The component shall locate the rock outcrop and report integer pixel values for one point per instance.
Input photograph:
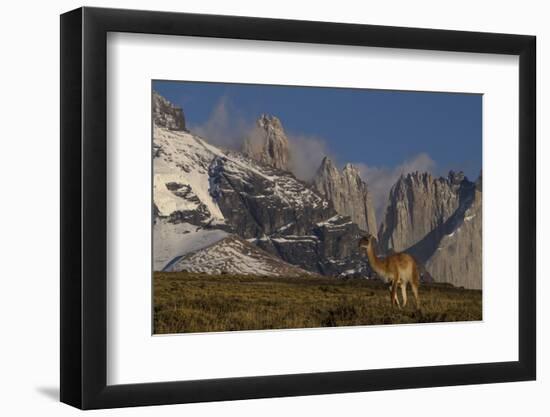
(458, 258)
(418, 204)
(348, 193)
(166, 115)
(438, 221)
(259, 200)
(284, 216)
(268, 144)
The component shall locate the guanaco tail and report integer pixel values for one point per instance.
(399, 269)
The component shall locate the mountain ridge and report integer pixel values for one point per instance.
(199, 188)
(347, 192)
(431, 218)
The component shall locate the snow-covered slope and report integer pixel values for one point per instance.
(233, 255)
(181, 179)
(196, 183)
(188, 173)
(203, 194)
(172, 240)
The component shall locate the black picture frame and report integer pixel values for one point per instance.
(84, 207)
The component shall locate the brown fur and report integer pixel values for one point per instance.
(399, 269)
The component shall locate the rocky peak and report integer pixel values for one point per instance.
(347, 192)
(166, 115)
(327, 169)
(351, 171)
(437, 220)
(418, 204)
(268, 121)
(456, 178)
(267, 143)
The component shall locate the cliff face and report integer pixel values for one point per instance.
(259, 200)
(348, 193)
(438, 221)
(268, 144)
(418, 204)
(458, 258)
(284, 216)
(166, 115)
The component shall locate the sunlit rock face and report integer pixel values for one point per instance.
(347, 192)
(267, 143)
(458, 258)
(166, 115)
(437, 220)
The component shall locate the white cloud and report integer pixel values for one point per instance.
(381, 179)
(225, 126)
(306, 154)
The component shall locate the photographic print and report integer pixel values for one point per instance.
(287, 207)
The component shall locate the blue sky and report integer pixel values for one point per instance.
(384, 132)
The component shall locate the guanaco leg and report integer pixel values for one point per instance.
(414, 287)
(404, 293)
(394, 298)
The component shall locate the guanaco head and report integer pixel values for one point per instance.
(365, 242)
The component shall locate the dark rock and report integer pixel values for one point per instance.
(166, 115)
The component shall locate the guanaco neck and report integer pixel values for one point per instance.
(373, 259)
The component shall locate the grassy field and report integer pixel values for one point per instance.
(189, 303)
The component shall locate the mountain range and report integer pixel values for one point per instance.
(244, 212)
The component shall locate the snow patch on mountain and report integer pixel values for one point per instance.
(182, 158)
(171, 241)
(233, 255)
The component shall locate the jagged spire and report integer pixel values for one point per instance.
(267, 120)
(349, 167)
(326, 167)
(347, 192)
(268, 143)
(423, 213)
(456, 177)
(167, 115)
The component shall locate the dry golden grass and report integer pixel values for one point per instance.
(190, 303)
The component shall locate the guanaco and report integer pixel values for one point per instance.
(398, 269)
